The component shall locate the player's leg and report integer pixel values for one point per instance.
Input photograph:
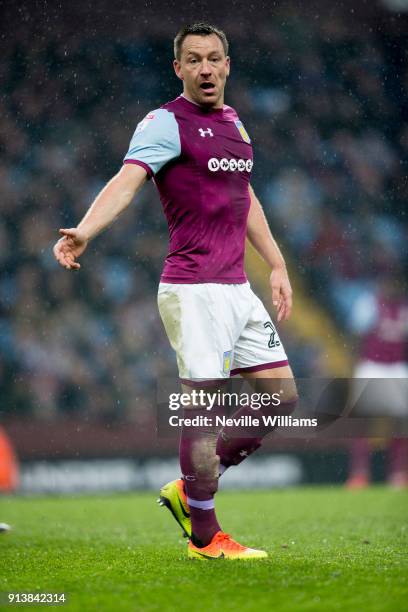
(235, 445)
(203, 340)
(195, 333)
(260, 358)
(360, 463)
(199, 465)
(398, 463)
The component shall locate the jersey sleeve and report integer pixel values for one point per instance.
(156, 141)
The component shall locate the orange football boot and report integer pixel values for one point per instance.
(222, 546)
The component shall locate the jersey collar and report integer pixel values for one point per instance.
(202, 109)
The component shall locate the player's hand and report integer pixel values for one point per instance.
(68, 248)
(281, 293)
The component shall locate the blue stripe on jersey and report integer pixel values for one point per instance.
(156, 140)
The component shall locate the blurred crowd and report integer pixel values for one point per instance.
(326, 105)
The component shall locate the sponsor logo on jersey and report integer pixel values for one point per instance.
(242, 131)
(232, 165)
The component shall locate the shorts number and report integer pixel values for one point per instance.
(273, 338)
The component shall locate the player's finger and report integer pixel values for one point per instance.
(288, 307)
(57, 248)
(59, 256)
(69, 260)
(65, 258)
(275, 295)
(284, 315)
(73, 264)
(281, 311)
(70, 234)
(61, 248)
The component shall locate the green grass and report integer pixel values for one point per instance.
(329, 550)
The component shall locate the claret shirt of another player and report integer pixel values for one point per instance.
(201, 162)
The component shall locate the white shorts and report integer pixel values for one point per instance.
(218, 330)
(374, 369)
(380, 389)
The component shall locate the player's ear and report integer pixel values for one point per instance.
(177, 69)
(228, 64)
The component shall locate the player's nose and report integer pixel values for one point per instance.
(205, 68)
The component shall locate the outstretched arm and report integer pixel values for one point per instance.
(107, 206)
(259, 235)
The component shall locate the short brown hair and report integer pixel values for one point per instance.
(199, 29)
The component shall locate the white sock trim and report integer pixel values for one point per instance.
(207, 504)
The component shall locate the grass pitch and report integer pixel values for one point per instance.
(330, 549)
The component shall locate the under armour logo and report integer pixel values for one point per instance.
(204, 133)
(243, 453)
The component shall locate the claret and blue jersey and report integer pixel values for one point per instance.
(201, 161)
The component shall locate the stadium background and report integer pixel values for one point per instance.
(322, 92)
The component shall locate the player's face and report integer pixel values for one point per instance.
(203, 68)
